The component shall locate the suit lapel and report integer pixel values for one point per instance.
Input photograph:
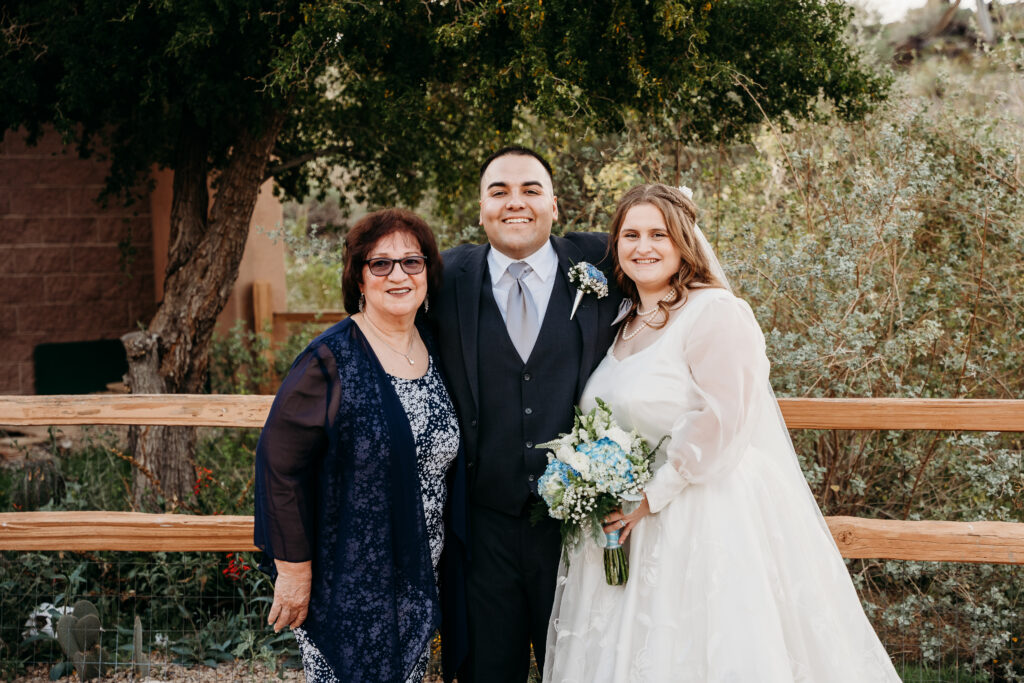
(467, 299)
(586, 314)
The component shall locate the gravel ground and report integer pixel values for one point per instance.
(165, 671)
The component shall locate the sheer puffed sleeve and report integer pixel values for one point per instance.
(293, 441)
(725, 353)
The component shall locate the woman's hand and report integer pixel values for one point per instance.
(291, 594)
(625, 523)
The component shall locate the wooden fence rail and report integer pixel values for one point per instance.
(985, 542)
(229, 410)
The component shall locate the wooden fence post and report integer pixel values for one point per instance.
(262, 306)
(263, 321)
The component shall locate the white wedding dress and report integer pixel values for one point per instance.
(734, 577)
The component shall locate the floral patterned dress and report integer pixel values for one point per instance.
(436, 431)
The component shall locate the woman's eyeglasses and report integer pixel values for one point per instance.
(411, 265)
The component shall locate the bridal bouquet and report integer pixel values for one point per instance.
(593, 470)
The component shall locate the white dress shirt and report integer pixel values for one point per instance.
(540, 281)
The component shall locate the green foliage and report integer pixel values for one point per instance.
(882, 258)
(313, 234)
(407, 95)
(911, 673)
(238, 635)
(41, 482)
(207, 605)
(214, 605)
(238, 361)
(97, 477)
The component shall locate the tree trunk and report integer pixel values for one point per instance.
(160, 482)
(206, 248)
(985, 23)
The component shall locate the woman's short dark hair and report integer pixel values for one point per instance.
(365, 234)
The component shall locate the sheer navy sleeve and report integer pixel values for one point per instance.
(293, 441)
(337, 447)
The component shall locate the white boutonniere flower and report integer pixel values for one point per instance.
(587, 279)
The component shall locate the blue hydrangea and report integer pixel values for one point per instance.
(589, 279)
(611, 469)
(557, 469)
(552, 485)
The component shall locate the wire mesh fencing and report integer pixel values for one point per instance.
(197, 611)
(203, 617)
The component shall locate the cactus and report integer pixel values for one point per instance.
(140, 660)
(79, 636)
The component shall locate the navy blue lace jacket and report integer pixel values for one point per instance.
(336, 483)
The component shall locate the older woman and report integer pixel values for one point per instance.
(353, 470)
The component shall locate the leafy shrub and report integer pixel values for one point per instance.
(884, 259)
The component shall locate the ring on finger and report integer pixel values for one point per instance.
(622, 522)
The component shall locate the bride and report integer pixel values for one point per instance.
(734, 575)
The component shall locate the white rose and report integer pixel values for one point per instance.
(564, 453)
(620, 436)
(578, 462)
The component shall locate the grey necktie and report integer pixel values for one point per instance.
(521, 314)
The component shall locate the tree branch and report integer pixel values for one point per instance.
(301, 159)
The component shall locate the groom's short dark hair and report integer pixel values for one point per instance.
(516, 150)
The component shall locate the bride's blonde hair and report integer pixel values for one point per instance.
(680, 215)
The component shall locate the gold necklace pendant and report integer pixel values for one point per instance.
(380, 335)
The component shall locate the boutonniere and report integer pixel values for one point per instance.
(587, 279)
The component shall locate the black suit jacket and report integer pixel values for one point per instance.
(456, 314)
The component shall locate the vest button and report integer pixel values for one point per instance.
(531, 477)
(528, 411)
(527, 377)
(529, 444)
(472, 423)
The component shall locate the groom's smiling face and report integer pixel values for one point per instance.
(517, 205)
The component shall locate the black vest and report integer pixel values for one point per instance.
(522, 404)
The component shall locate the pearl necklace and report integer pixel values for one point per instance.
(645, 317)
(668, 297)
(380, 335)
(627, 337)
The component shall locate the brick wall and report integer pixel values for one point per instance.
(70, 269)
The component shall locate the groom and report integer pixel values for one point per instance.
(516, 366)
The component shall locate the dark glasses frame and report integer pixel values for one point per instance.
(411, 265)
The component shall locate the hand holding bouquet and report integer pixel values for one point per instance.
(593, 470)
